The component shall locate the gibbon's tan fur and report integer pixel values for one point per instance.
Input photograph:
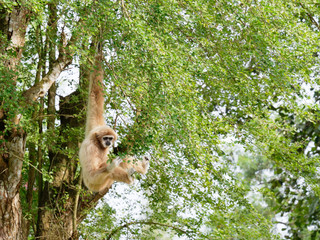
(98, 173)
(120, 174)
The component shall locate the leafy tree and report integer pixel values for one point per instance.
(293, 155)
(180, 76)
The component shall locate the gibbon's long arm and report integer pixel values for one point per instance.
(95, 106)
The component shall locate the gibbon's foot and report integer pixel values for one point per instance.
(131, 171)
(145, 164)
(104, 191)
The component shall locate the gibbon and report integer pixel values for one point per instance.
(99, 174)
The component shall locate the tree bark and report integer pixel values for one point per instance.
(14, 25)
(10, 178)
(16, 31)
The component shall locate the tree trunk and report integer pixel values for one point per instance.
(12, 146)
(10, 178)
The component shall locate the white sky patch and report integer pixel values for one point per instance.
(280, 226)
(127, 201)
(68, 81)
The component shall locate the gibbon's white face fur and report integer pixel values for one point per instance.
(106, 140)
(99, 174)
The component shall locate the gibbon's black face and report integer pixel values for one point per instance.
(106, 140)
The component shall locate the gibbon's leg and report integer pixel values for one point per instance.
(139, 166)
(107, 187)
(101, 177)
(107, 168)
(131, 171)
(123, 175)
(115, 163)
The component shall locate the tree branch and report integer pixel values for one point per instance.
(279, 222)
(65, 58)
(75, 208)
(42, 87)
(310, 16)
(125, 10)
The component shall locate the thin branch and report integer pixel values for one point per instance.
(53, 115)
(115, 121)
(279, 222)
(146, 223)
(23, 160)
(125, 10)
(75, 208)
(310, 16)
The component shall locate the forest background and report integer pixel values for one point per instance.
(222, 95)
